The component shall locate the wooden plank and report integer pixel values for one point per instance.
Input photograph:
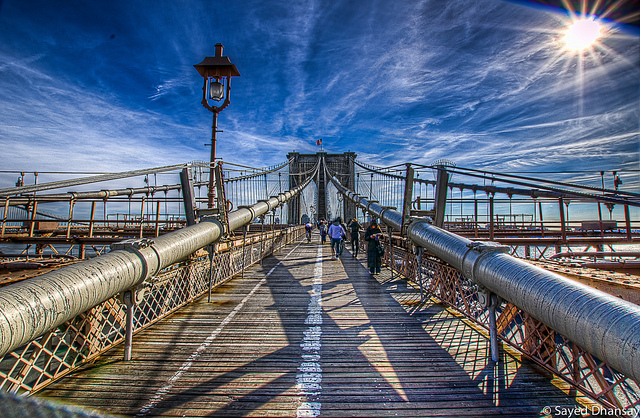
(377, 353)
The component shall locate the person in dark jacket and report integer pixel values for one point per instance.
(372, 236)
(355, 236)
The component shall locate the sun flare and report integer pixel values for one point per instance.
(582, 34)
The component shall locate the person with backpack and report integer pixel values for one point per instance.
(308, 227)
(322, 227)
(336, 234)
(355, 236)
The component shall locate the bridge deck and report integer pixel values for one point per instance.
(304, 335)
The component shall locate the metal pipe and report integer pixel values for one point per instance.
(85, 180)
(601, 324)
(30, 308)
(102, 194)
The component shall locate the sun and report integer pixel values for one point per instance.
(582, 34)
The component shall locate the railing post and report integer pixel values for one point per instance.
(563, 227)
(157, 229)
(261, 238)
(493, 327)
(212, 254)
(408, 196)
(142, 202)
(491, 224)
(92, 218)
(187, 194)
(32, 225)
(127, 298)
(420, 250)
(442, 181)
(244, 244)
(600, 222)
(475, 216)
(541, 219)
(72, 202)
(5, 216)
(627, 221)
(391, 263)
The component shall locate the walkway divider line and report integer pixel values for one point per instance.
(309, 382)
(160, 393)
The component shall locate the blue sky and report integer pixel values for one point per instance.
(110, 86)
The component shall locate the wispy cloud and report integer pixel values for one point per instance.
(480, 83)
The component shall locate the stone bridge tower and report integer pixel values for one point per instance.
(340, 164)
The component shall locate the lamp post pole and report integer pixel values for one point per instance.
(211, 195)
(217, 72)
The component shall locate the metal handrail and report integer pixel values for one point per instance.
(30, 308)
(603, 325)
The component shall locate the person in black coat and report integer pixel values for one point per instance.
(372, 236)
(355, 236)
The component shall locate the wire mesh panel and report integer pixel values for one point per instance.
(74, 343)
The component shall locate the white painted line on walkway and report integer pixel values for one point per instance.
(309, 382)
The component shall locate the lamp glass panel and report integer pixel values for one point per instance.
(216, 90)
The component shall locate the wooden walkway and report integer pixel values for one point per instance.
(304, 335)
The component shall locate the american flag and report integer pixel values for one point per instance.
(319, 141)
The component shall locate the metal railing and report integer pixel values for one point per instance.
(570, 329)
(51, 324)
(517, 328)
(84, 337)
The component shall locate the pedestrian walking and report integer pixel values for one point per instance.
(355, 227)
(322, 227)
(337, 234)
(374, 247)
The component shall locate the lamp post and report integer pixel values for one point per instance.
(217, 72)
